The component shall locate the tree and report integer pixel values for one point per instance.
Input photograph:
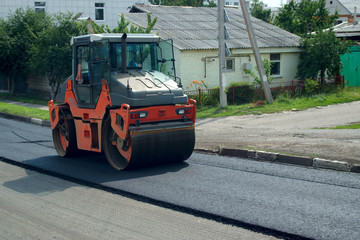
(267, 67)
(18, 33)
(124, 26)
(192, 3)
(304, 16)
(40, 43)
(51, 54)
(321, 55)
(258, 10)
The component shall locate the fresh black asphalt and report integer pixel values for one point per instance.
(319, 204)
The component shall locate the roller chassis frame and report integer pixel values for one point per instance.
(89, 123)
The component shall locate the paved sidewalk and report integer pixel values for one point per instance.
(296, 133)
(289, 137)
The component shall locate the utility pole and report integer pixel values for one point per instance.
(260, 66)
(221, 38)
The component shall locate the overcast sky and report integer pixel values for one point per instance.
(273, 3)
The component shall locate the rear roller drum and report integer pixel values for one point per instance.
(64, 136)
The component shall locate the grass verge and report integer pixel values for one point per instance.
(24, 99)
(283, 103)
(350, 126)
(24, 111)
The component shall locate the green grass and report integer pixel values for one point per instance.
(24, 111)
(283, 103)
(350, 126)
(24, 99)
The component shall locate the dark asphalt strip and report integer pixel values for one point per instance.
(274, 175)
(163, 204)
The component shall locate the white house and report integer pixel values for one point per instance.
(100, 11)
(345, 8)
(194, 32)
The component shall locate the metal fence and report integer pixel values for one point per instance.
(251, 93)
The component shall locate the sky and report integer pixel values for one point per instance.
(274, 3)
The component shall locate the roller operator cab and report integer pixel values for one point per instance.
(125, 100)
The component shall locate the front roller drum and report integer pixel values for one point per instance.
(148, 148)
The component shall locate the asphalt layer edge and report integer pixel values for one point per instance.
(241, 153)
(163, 204)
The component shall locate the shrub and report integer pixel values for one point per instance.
(311, 86)
(211, 98)
(283, 97)
(240, 92)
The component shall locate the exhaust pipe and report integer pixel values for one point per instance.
(123, 53)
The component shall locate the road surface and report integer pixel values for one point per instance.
(38, 206)
(297, 201)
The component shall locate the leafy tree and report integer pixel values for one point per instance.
(192, 3)
(321, 55)
(38, 42)
(51, 54)
(304, 16)
(89, 26)
(123, 26)
(18, 34)
(267, 67)
(258, 10)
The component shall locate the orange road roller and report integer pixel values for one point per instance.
(124, 99)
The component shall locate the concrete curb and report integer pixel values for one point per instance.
(241, 153)
(37, 121)
(285, 159)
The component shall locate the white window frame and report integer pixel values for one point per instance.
(97, 8)
(40, 6)
(227, 69)
(276, 58)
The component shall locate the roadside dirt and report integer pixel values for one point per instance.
(300, 133)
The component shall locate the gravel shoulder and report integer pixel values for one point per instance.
(296, 133)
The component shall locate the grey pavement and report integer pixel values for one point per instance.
(293, 137)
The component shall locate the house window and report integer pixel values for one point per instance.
(338, 22)
(275, 64)
(230, 64)
(99, 11)
(227, 3)
(40, 7)
(236, 3)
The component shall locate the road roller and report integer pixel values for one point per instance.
(123, 99)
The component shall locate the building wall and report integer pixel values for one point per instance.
(198, 65)
(346, 9)
(37, 85)
(112, 8)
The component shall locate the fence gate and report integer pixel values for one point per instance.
(351, 70)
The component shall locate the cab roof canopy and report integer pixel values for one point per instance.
(114, 37)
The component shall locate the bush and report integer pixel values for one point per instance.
(211, 98)
(240, 92)
(311, 86)
(283, 97)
